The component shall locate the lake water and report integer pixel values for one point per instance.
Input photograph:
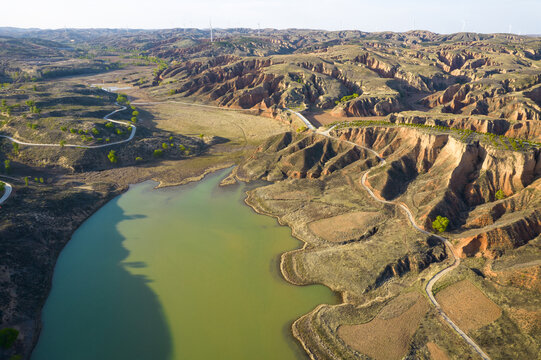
(180, 273)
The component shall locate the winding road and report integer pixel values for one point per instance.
(106, 117)
(430, 284)
(9, 188)
(7, 192)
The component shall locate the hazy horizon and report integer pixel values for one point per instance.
(483, 16)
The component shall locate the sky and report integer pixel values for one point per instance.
(485, 16)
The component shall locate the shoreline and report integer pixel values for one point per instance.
(121, 189)
(294, 330)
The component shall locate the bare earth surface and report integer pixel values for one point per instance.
(345, 226)
(467, 306)
(436, 353)
(387, 336)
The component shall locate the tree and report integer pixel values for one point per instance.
(440, 224)
(8, 337)
(112, 157)
(121, 99)
(500, 194)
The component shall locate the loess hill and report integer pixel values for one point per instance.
(457, 118)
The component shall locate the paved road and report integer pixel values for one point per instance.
(106, 117)
(441, 273)
(304, 120)
(7, 192)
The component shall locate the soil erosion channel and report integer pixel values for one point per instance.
(179, 273)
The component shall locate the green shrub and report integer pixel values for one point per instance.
(138, 158)
(8, 337)
(500, 194)
(95, 131)
(440, 224)
(2, 187)
(41, 180)
(73, 131)
(63, 128)
(347, 98)
(26, 181)
(62, 143)
(109, 125)
(165, 146)
(112, 157)
(158, 153)
(121, 99)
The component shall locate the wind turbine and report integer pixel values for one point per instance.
(211, 34)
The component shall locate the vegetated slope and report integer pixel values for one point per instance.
(316, 182)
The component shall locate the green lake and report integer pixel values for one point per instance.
(188, 272)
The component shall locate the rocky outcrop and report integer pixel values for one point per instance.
(493, 240)
(439, 175)
(411, 263)
(367, 106)
(301, 156)
(500, 100)
(527, 129)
